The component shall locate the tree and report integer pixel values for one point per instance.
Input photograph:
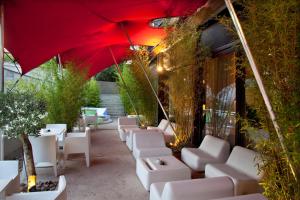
(21, 114)
(64, 96)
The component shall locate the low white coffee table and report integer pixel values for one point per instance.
(150, 170)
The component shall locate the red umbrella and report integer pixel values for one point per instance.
(82, 31)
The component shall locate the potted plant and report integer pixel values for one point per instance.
(21, 115)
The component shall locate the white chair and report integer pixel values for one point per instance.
(241, 167)
(126, 123)
(59, 194)
(195, 189)
(44, 149)
(211, 150)
(163, 124)
(60, 131)
(9, 170)
(149, 144)
(78, 143)
(169, 133)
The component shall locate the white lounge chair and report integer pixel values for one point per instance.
(195, 189)
(211, 150)
(149, 144)
(78, 143)
(60, 131)
(126, 123)
(163, 124)
(241, 167)
(129, 136)
(44, 149)
(256, 196)
(59, 194)
(9, 170)
(169, 133)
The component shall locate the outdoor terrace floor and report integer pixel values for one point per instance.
(111, 175)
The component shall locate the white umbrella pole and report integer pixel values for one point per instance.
(124, 83)
(258, 80)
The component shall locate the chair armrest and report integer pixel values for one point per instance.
(47, 195)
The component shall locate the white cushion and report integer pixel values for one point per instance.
(241, 167)
(148, 144)
(163, 124)
(211, 150)
(151, 152)
(196, 189)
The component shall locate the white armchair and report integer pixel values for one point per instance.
(149, 144)
(211, 150)
(241, 167)
(169, 133)
(60, 131)
(9, 170)
(59, 194)
(78, 143)
(126, 123)
(44, 149)
(161, 126)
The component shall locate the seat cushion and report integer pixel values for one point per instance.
(152, 152)
(243, 184)
(198, 189)
(216, 170)
(196, 159)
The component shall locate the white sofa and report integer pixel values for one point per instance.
(78, 143)
(256, 196)
(196, 189)
(126, 123)
(241, 167)
(129, 135)
(59, 194)
(9, 170)
(163, 124)
(211, 150)
(149, 144)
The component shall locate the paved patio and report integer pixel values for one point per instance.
(112, 172)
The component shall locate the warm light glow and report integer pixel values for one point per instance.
(31, 182)
(159, 48)
(159, 69)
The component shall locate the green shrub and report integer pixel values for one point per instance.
(108, 74)
(139, 88)
(64, 96)
(91, 94)
(272, 31)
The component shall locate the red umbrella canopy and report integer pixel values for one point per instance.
(82, 31)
